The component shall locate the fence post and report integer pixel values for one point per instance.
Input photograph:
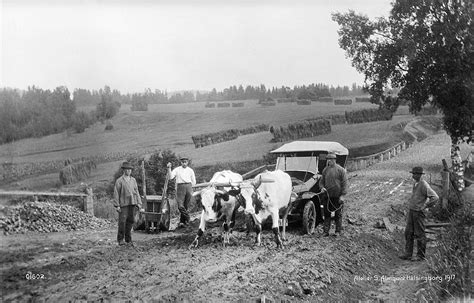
(89, 201)
(445, 193)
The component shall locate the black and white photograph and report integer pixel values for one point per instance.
(236, 151)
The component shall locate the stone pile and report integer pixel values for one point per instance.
(48, 217)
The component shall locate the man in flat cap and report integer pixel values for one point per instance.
(127, 202)
(422, 197)
(185, 179)
(334, 183)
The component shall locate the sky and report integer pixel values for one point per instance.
(175, 45)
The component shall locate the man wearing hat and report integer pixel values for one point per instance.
(422, 197)
(185, 179)
(127, 202)
(334, 183)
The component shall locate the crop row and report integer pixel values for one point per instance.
(308, 128)
(226, 135)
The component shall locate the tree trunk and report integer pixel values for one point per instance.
(458, 168)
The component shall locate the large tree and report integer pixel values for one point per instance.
(425, 48)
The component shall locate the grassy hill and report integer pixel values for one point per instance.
(169, 126)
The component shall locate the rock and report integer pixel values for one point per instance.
(294, 289)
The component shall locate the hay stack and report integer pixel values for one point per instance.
(74, 172)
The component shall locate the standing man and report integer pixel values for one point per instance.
(334, 182)
(422, 197)
(185, 179)
(127, 202)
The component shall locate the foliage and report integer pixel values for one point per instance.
(451, 259)
(107, 108)
(155, 172)
(81, 121)
(423, 47)
(109, 126)
(139, 105)
(37, 112)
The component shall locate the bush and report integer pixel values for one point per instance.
(210, 105)
(81, 121)
(237, 104)
(109, 126)
(451, 259)
(155, 172)
(139, 105)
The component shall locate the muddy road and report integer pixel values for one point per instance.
(88, 265)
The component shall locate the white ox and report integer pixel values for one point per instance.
(268, 193)
(218, 203)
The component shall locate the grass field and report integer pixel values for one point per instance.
(171, 127)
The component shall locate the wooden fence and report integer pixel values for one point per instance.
(87, 198)
(366, 161)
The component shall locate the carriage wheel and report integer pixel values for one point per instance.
(165, 215)
(309, 218)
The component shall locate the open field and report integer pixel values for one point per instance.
(171, 127)
(162, 126)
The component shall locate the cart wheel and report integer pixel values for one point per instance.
(165, 215)
(309, 218)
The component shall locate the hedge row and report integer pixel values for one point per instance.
(336, 119)
(237, 104)
(325, 99)
(223, 104)
(13, 171)
(362, 99)
(226, 135)
(303, 102)
(368, 115)
(286, 100)
(343, 102)
(210, 105)
(267, 103)
(308, 128)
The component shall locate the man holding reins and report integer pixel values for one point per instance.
(334, 183)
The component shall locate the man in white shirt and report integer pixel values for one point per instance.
(185, 179)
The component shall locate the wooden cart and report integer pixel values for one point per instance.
(157, 214)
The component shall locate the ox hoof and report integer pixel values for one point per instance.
(193, 245)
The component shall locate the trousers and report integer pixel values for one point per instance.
(330, 205)
(415, 230)
(125, 222)
(184, 192)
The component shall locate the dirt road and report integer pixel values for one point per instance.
(88, 265)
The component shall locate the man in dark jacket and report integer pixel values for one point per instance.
(127, 202)
(422, 197)
(334, 183)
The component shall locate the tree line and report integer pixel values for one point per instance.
(37, 112)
